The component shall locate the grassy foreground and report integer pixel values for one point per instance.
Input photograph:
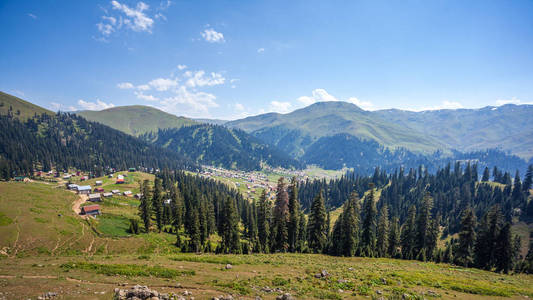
(45, 247)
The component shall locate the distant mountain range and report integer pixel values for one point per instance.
(329, 134)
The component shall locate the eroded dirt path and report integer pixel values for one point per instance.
(77, 204)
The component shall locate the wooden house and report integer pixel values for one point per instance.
(95, 197)
(98, 183)
(84, 189)
(90, 210)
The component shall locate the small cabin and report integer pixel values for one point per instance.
(84, 189)
(90, 210)
(98, 182)
(127, 193)
(20, 178)
(138, 196)
(72, 187)
(107, 195)
(110, 176)
(99, 190)
(115, 191)
(131, 170)
(95, 197)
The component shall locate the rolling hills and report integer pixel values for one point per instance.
(136, 119)
(508, 127)
(20, 109)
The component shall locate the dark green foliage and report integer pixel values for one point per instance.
(382, 235)
(264, 213)
(294, 216)
(464, 255)
(368, 226)
(145, 210)
(220, 146)
(345, 235)
(230, 228)
(317, 225)
(157, 203)
(134, 226)
(280, 218)
(408, 235)
(65, 140)
(394, 239)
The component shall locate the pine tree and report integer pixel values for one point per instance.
(382, 236)
(264, 212)
(504, 250)
(157, 203)
(394, 238)
(464, 254)
(528, 180)
(317, 225)
(302, 233)
(294, 215)
(281, 218)
(423, 224)
(350, 225)
(177, 212)
(230, 228)
(486, 174)
(144, 207)
(368, 226)
(408, 236)
(194, 232)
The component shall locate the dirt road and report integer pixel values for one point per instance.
(77, 204)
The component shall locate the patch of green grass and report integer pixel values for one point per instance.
(127, 270)
(113, 225)
(5, 220)
(41, 220)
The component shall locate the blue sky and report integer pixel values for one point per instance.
(230, 59)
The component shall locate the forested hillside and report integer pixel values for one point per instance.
(136, 119)
(404, 215)
(219, 146)
(65, 140)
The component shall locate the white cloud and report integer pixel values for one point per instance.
(61, 107)
(260, 50)
(125, 85)
(32, 16)
(211, 36)
(182, 67)
(318, 95)
(163, 84)
(199, 79)
(145, 97)
(143, 87)
(195, 104)
(280, 107)
(135, 18)
(513, 100)
(98, 105)
(366, 105)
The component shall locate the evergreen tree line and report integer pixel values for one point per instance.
(371, 227)
(67, 141)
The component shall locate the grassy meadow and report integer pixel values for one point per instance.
(46, 247)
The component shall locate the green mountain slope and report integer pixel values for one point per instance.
(20, 109)
(296, 131)
(508, 127)
(136, 119)
(219, 146)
